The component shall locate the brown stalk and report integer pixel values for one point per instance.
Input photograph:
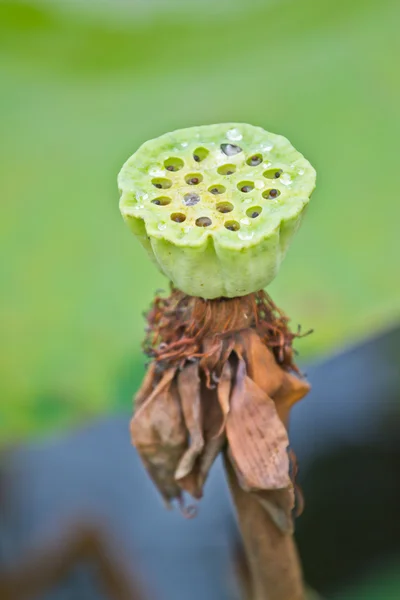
(273, 562)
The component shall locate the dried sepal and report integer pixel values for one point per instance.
(160, 436)
(189, 393)
(257, 438)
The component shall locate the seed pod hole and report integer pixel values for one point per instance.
(194, 178)
(217, 189)
(273, 173)
(271, 194)
(191, 199)
(203, 222)
(246, 186)
(254, 212)
(200, 154)
(178, 217)
(173, 164)
(232, 225)
(230, 149)
(161, 184)
(254, 160)
(161, 201)
(224, 207)
(226, 169)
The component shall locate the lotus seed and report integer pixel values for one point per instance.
(247, 187)
(232, 225)
(203, 222)
(255, 160)
(224, 207)
(178, 217)
(217, 189)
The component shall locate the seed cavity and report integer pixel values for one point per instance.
(161, 184)
(224, 207)
(178, 217)
(194, 178)
(232, 225)
(230, 149)
(254, 160)
(273, 173)
(203, 222)
(200, 154)
(226, 169)
(191, 199)
(161, 201)
(173, 164)
(254, 212)
(217, 189)
(270, 194)
(246, 186)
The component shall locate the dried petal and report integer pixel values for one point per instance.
(257, 437)
(150, 380)
(160, 436)
(224, 389)
(291, 391)
(214, 432)
(189, 392)
(212, 349)
(261, 365)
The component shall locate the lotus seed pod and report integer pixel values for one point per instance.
(216, 206)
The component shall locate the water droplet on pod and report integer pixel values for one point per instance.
(234, 135)
(245, 235)
(285, 179)
(267, 146)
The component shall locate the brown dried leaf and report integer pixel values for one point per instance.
(160, 436)
(189, 392)
(257, 437)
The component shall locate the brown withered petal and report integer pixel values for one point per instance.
(214, 432)
(257, 438)
(261, 365)
(212, 349)
(149, 382)
(291, 391)
(189, 393)
(224, 390)
(213, 439)
(160, 436)
(284, 388)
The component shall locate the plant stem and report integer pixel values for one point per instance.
(272, 556)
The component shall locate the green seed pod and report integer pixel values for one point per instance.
(216, 206)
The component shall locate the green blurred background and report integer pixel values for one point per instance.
(84, 84)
